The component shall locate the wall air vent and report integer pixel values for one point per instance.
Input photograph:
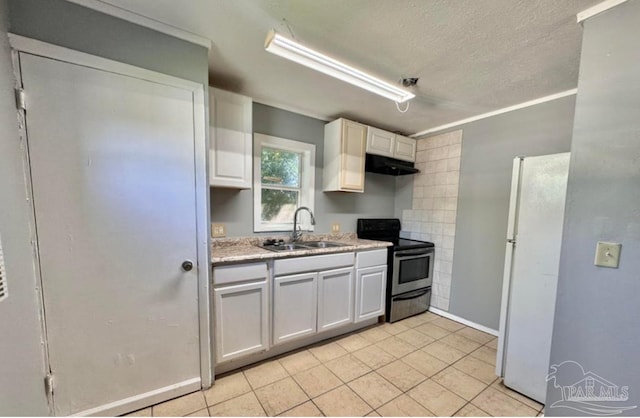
(4, 292)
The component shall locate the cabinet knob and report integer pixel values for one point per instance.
(187, 265)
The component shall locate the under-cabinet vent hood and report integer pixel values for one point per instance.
(390, 166)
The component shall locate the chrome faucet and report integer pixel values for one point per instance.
(295, 234)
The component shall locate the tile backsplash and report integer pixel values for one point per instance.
(432, 216)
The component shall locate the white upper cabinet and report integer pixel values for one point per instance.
(405, 148)
(231, 140)
(380, 142)
(344, 156)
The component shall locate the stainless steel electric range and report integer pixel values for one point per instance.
(410, 268)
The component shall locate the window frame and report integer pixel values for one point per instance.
(307, 180)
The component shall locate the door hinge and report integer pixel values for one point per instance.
(48, 385)
(21, 101)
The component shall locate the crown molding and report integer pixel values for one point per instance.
(597, 9)
(138, 19)
(496, 112)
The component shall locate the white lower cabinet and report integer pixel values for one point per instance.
(294, 306)
(257, 307)
(335, 298)
(241, 306)
(242, 320)
(370, 292)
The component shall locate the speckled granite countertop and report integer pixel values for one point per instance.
(233, 250)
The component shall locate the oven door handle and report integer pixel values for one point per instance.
(411, 253)
(413, 295)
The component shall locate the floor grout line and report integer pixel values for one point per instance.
(472, 399)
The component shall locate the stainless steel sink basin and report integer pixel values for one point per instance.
(285, 247)
(322, 244)
(305, 245)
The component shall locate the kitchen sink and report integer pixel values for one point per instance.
(322, 244)
(285, 247)
(305, 245)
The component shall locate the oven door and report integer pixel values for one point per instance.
(412, 270)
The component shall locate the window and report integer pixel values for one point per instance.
(283, 180)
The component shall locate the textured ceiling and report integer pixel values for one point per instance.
(472, 56)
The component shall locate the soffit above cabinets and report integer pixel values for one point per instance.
(472, 56)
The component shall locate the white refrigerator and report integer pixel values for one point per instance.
(534, 238)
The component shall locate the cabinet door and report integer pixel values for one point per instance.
(370, 291)
(230, 151)
(380, 142)
(354, 138)
(294, 306)
(405, 148)
(241, 322)
(335, 298)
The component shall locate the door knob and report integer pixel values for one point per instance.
(187, 265)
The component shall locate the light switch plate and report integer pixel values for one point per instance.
(335, 228)
(218, 230)
(607, 254)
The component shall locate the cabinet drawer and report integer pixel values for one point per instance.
(371, 258)
(239, 273)
(313, 263)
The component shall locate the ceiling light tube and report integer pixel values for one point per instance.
(291, 50)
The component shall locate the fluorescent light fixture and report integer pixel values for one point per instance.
(291, 50)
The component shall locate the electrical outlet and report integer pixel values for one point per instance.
(218, 230)
(335, 228)
(607, 254)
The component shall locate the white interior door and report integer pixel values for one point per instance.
(112, 164)
(534, 273)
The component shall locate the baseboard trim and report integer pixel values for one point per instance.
(463, 321)
(143, 400)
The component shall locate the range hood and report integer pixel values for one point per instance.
(389, 166)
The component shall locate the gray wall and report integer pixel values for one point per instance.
(597, 309)
(22, 366)
(66, 24)
(235, 208)
(488, 148)
(404, 195)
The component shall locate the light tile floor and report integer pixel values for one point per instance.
(425, 365)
